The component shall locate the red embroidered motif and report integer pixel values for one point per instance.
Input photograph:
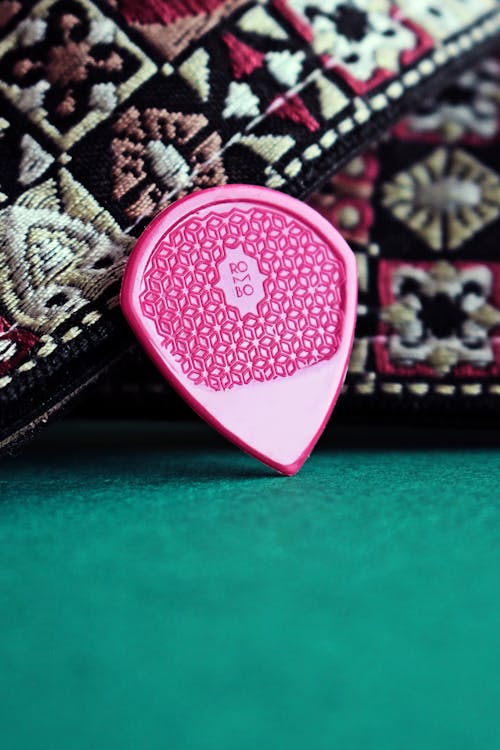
(172, 25)
(293, 108)
(15, 344)
(8, 9)
(165, 11)
(347, 199)
(300, 26)
(244, 59)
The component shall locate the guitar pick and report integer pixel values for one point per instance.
(245, 299)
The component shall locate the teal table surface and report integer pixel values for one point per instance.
(160, 589)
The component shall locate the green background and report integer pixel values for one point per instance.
(159, 589)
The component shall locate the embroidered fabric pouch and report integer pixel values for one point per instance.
(111, 110)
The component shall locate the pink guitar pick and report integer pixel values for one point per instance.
(245, 299)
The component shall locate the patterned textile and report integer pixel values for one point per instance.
(422, 212)
(112, 110)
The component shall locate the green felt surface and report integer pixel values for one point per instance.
(159, 589)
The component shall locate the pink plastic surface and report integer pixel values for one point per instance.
(245, 299)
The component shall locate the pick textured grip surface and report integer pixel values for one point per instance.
(244, 295)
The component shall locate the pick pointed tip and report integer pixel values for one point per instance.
(289, 470)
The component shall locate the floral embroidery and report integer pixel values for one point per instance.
(68, 67)
(366, 42)
(445, 199)
(59, 251)
(153, 156)
(437, 317)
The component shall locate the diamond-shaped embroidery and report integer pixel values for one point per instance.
(445, 199)
(67, 67)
